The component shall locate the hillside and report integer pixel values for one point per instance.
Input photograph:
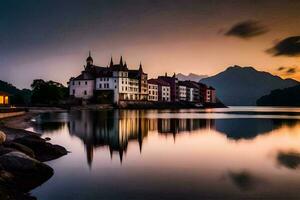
(244, 85)
(281, 97)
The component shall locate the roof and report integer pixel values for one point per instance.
(158, 82)
(189, 84)
(118, 67)
(202, 84)
(4, 93)
(133, 73)
(85, 75)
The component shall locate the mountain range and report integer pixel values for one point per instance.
(238, 86)
(190, 76)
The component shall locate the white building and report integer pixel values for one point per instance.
(114, 83)
(152, 91)
(166, 93)
(182, 93)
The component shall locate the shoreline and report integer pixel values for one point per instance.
(22, 155)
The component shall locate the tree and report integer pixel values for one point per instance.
(48, 93)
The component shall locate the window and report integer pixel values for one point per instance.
(73, 92)
(1, 99)
(115, 81)
(100, 79)
(78, 82)
(73, 82)
(85, 92)
(86, 82)
(100, 85)
(6, 100)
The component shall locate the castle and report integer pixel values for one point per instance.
(116, 82)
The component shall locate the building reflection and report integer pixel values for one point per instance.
(176, 126)
(115, 129)
(111, 128)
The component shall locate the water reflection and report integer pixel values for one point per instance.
(182, 153)
(289, 159)
(244, 180)
(115, 129)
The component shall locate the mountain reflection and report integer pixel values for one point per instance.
(115, 129)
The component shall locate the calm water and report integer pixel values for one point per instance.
(240, 152)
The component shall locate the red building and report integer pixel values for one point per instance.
(173, 82)
(164, 89)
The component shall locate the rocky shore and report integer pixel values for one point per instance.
(22, 154)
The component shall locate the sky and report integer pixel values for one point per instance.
(50, 39)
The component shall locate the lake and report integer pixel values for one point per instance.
(234, 153)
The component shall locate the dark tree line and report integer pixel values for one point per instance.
(281, 97)
(48, 92)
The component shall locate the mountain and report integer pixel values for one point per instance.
(281, 97)
(18, 97)
(244, 85)
(191, 76)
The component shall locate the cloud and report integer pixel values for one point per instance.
(288, 70)
(287, 47)
(281, 68)
(290, 159)
(246, 29)
(291, 70)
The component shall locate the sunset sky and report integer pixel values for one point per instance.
(51, 39)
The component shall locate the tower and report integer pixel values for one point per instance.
(121, 61)
(141, 67)
(89, 60)
(111, 64)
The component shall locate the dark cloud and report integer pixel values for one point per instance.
(287, 47)
(290, 159)
(281, 68)
(291, 70)
(247, 29)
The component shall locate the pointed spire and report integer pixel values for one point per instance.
(174, 75)
(121, 155)
(125, 65)
(121, 61)
(141, 67)
(166, 74)
(89, 59)
(111, 64)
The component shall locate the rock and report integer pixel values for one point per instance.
(47, 138)
(20, 147)
(43, 151)
(2, 137)
(24, 173)
(5, 150)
